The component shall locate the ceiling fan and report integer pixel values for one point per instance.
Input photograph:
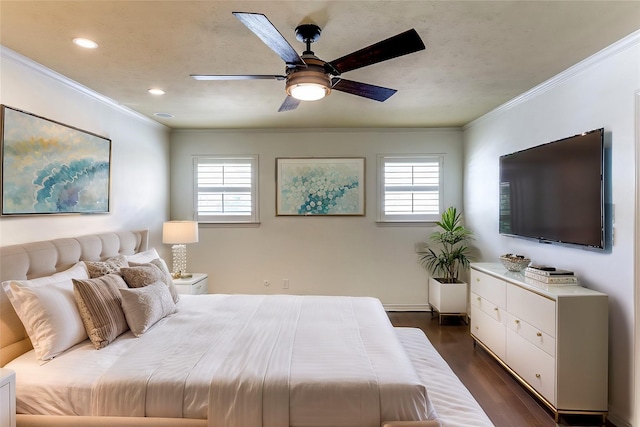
(309, 78)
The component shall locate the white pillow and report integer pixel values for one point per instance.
(144, 307)
(143, 257)
(47, 308)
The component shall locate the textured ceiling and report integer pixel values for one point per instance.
(479, 55)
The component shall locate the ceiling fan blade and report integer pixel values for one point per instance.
(260, 25)
(237, 77)
(290, 103)
(398, 45)
(377, 93)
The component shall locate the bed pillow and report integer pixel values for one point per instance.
(108, 266)
(144, 307)
(141, 275)
(144, 257)
(48, 311)
(99, 303)
(159, 264)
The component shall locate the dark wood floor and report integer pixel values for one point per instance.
(504, 400)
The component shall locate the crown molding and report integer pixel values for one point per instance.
(10, 55)
(621, 45)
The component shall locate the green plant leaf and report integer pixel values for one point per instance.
(453, 251)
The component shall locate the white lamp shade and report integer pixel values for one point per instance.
(180, 232)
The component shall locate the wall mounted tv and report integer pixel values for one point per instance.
(555, 192)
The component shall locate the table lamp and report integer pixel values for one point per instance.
(179, 233)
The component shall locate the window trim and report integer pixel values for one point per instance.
(254, 218)
(382, 217)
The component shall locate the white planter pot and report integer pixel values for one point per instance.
(448, 299)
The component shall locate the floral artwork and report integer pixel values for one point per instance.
(320, 186)
(51, 168)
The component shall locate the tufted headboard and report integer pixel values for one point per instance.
(39, 259)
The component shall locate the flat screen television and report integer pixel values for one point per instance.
(555, 192)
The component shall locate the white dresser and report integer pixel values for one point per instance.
(553, 339)
(195, 285)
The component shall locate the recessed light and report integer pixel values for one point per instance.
(155, 91)
(163, 115)
(86, 43)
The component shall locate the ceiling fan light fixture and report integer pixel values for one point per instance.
(308, 85)
(309, 91)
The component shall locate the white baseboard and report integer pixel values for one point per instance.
(407, 307)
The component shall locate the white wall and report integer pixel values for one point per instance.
(319, 255)
(139, 161)
(597, 93)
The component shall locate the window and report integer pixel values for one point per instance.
(409, 188)
(226, 189)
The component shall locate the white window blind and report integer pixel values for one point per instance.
(226, 189)
(410, 188)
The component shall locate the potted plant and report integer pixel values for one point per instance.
(447, 293)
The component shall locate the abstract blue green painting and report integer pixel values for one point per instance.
(52, 168)
(320, 186)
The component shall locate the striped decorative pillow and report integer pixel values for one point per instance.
(99, 303)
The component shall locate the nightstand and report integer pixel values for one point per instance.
(7, 398)
(196, 285)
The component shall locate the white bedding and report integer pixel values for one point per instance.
(453, 404)
(312, 361)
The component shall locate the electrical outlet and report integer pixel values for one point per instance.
(285, 283)
(266, 283)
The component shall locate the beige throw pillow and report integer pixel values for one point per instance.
(166, 276)
(99, 303)
(144, 307)
(141, 275)
(108, 266)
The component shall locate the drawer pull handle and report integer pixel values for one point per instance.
(539, 334)
(537, 375)
(477, 279)
(496, 308)
(479, 298)
(517, 322)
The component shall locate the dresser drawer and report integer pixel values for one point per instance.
(200, 288)
(489, 331)
(489, 308)
(535, 366)
(538, 311)
(535, 336)
(195, 285)
(489, 288)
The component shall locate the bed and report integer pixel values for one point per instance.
(216, 360)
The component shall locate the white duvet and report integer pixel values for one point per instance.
(240, 361)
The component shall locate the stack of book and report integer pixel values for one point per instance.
(551, 275)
